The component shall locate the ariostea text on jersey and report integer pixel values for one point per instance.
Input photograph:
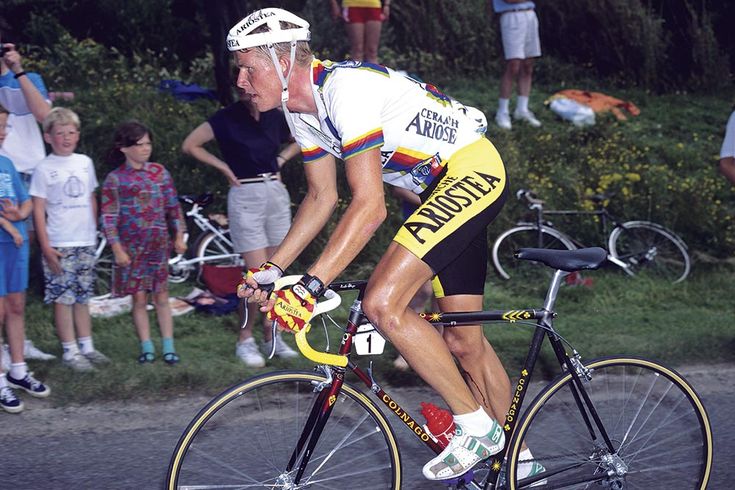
(434, 125)
(451, 196)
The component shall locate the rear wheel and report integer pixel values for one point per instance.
(657, 425)
(525, 236)
(244, 438)
(651, 250)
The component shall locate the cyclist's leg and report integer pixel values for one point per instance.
(485, 374)
(396, 278)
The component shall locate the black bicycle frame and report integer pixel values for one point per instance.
(323, 406)
(605, 219)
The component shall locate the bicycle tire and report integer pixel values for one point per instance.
(524, 236)
(209, 244)
(244, 437)
(650, 249)
(654, 418)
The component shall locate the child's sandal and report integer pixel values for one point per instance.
(146, 357)
(170, 358)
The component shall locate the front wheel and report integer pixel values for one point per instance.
(657, 425)
(245, 437)
(525, 236)
(650, 249)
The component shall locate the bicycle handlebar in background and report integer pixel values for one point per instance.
(331, 301)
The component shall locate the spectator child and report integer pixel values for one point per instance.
(65, 218)
(139, 207)
(26, 99)
(15, 207)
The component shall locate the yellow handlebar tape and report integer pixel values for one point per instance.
(315, 355)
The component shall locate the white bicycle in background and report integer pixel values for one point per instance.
(212, 245)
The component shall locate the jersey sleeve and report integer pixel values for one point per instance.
(356, 118)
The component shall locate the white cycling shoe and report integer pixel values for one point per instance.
(463, 452)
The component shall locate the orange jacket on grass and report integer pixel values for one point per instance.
(599, 102)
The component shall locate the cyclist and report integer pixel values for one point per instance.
(387, 127)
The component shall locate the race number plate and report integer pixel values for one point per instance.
(368, 342)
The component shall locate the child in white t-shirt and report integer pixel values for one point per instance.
(65, 217)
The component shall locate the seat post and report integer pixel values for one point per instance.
(554, 284)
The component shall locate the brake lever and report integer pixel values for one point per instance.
(274, 328)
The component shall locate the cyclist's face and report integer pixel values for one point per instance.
(139, 152)
(258, 78)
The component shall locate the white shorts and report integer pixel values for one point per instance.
(259, 214)
(519, 32)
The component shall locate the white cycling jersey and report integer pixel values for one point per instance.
(363, 106)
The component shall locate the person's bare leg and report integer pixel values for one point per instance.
(510, 74)
(82, 320)
(140, 316)
(163, 314)
(525, 76)
(64, 319)
(15, 325)
(397, 277)
(372, 40)
(356, 36)
(486, 376)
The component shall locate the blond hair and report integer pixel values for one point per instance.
(303, 51)
(60, 116)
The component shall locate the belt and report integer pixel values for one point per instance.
(260, 178)
(515, 10)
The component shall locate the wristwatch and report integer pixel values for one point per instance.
(313, 284)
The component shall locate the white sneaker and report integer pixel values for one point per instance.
(502, 119)
(30, 351)
(247, 351)
(6, 358)
(282, 349)
(78, 363)
(463, 452)
(527, 116)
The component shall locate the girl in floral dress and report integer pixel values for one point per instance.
(139, 209)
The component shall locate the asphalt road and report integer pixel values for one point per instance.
(128, 445)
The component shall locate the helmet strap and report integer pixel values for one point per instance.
(284, 81)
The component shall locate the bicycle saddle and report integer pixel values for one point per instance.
(201, 199)
(566, 260)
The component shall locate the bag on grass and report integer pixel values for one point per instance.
(221, 280)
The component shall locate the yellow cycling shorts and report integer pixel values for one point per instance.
(449, 230)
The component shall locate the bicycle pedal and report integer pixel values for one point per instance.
(462, 479)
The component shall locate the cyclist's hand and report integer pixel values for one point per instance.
(257, 284)
(293, 307)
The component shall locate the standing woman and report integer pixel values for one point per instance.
(139, 208)
(258, 204)
(363, 21)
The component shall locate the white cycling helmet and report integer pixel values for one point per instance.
(241, 36)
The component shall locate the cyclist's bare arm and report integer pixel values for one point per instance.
(362, 217)
(194, 145)
(314, 211)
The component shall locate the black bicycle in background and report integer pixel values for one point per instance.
(638, 247)
(615, 423)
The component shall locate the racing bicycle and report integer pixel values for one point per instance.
(637, 247)
(610, 423)
(212, 245)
